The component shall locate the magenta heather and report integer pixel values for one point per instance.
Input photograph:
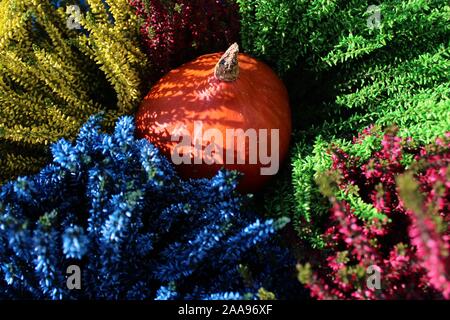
(410, 246)
(174, 32)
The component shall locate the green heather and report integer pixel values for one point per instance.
(343, 76)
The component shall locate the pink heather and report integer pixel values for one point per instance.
(412, 251)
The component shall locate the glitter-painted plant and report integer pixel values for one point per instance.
(116, 208)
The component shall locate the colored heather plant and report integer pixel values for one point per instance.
(321, 34)
(176, 31)
(344, 74)
(54, 74)
(116, 208)
(407, 238)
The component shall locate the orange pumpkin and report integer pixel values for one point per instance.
(219, 93)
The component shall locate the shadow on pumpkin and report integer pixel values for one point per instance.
(188, 94)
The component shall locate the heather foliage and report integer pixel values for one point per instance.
(408, 241)
(112, 205)
(54, 76)
(176, 31)
(343, 76)
(323, 34)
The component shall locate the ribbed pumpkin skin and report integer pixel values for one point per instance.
(257, 99)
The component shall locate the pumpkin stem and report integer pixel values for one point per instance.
(227, 69)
